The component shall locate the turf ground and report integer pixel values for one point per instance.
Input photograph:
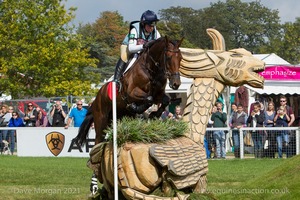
(69, 178)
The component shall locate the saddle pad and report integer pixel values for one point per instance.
(110, 90)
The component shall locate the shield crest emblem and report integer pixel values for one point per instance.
(55, 142)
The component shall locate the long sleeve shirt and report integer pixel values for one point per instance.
(219, 119)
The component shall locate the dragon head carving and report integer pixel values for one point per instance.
(234, 67)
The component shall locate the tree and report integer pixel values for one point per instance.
(173, 31)
(290, 48)
(248, 25)
(103, 38)
(287, 44)
(39, 53)
(180, 22)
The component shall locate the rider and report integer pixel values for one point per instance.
(140, 33)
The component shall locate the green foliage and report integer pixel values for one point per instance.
(39, 53)
(174, 32)
(152, 131)
(103, 38)
(286, 45)
(185, 22)
(248, 25)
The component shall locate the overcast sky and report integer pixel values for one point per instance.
(89, 10)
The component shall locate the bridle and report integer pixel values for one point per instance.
(168, 73)
(166, 67)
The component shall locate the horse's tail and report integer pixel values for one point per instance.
(85, 127)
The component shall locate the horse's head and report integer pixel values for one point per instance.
(172, 62)
(165, 56)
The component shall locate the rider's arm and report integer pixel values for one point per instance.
(133, 47)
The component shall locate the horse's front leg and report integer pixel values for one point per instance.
(143, 99)
(100, 126)
(139, 109)
(165, 102)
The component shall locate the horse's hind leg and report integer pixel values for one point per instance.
(100, 124)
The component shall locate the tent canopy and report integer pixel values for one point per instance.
(278, 87)
(183, 88)
(271, 59)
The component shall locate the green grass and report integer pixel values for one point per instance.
(44, 178)
(255, 178)
(69, 178)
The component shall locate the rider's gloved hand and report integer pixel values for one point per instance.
(146, 45)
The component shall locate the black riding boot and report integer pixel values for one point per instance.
(120, 68)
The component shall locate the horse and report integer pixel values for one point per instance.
(142, 86)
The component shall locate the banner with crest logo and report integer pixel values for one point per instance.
(52, 142)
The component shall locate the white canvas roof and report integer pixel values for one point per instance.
(271, 59)
(183, 88)
(278, 87)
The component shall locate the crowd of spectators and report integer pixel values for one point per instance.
(177, 115)
(265, 143)
(34, 117)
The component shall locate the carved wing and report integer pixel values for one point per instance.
(180, 160)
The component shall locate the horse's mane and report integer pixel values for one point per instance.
(174, 42)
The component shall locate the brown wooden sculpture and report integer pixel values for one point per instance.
(180, 163)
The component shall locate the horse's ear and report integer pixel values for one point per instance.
(179, 43)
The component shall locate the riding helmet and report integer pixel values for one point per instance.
(149, 17)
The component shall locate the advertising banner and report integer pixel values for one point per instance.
(52, 142)
(281, 73)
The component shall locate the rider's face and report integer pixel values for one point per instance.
(149, 28)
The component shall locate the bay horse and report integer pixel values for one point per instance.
(142, 86)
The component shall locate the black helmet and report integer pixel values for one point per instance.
(149, 17)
